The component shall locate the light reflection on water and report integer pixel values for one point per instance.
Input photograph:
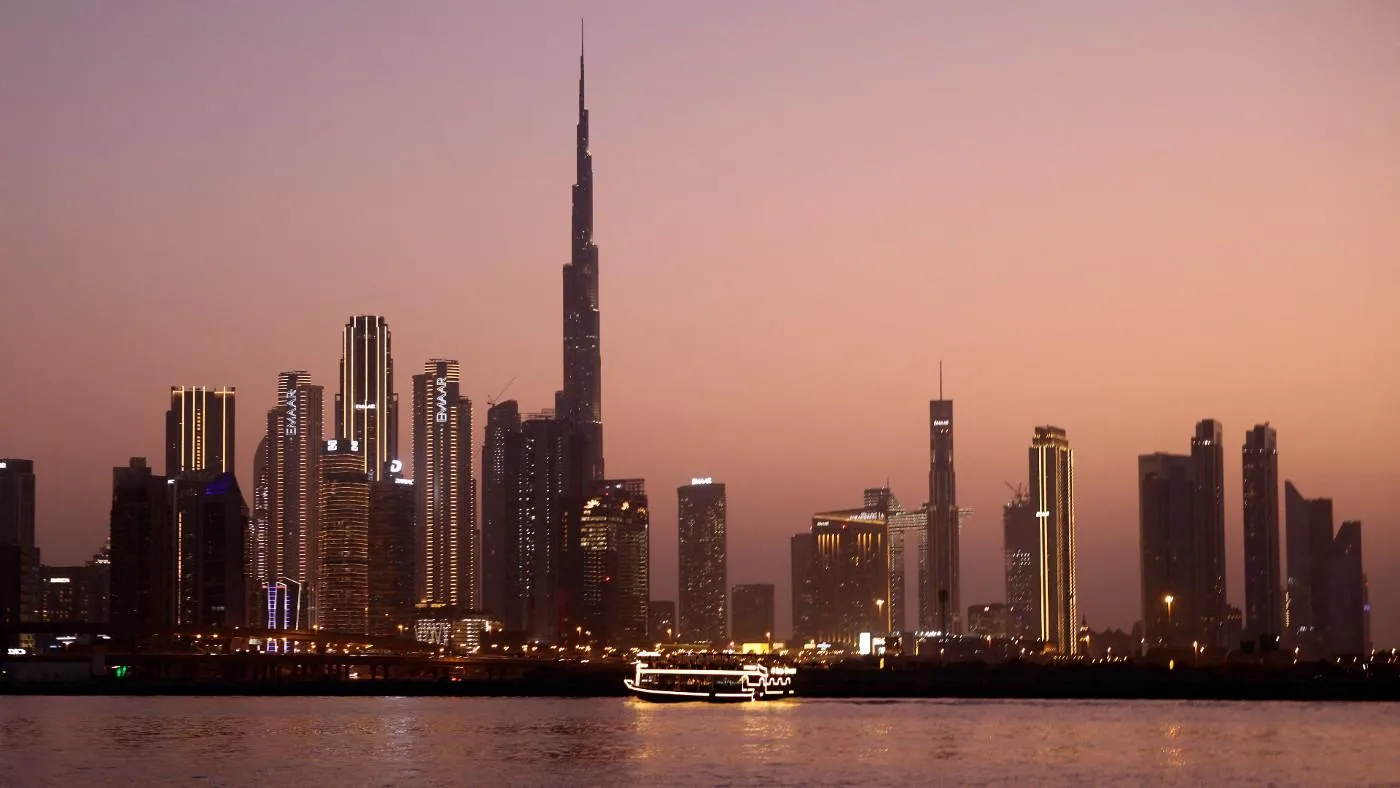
(311, 742)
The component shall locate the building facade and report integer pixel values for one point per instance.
(367, 409)
(448, 554)
(393, 553)
(851, 575)
(199, 430)
(753, 613)
(1348, 628)
(295, 429)
(20, 588)
(143, 544)
(212, 522)
(615, 538)
(945, 597)
(1308, 604)
(1052, 495)
(1173, 591)
(342, 584)
(1022, 553)
(702, 528)
(1263, 597)
(1208, 468)
(803, 563)
(661, 621)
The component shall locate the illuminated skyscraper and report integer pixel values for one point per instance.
(446, 506)
(851, 575)
(615, 538)
(1263, 599)
(199, 430)
(702, 530)
(257, 550)
(295, 428)
(1208, 467)
(1021, 544)
(367, 409)
(20, 587)
(1052, 494)
(906, 527)
(342, 584)
(944, 557)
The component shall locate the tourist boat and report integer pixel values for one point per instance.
(714, 677)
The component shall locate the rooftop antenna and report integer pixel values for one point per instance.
(940, 379)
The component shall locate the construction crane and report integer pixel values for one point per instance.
(491, 401)
(1018, 493)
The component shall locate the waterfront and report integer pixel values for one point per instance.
(310, 742)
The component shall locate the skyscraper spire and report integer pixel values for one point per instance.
(580, 67)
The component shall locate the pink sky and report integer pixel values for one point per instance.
(1116, 218)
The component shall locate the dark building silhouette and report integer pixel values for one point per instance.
(1173, 590)
(448, 553)
(702, 530)
(342, 587)
(944, 559)
(615, 538)
(393, 551)
(500, 523)
(143, 540)
(851, 575)
(288, 555)
(803, 564)
(75, 593)
(992, 620)
(753, 613)
(20, 589)
(199, 430)
(1308, 524)
(1348, 629)
(212, 522)
(1208, 467)
(1263, 599)
(1052, 495)
(367, 409)
(1021, 548)
(661, 621)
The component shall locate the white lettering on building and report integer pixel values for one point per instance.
(442, 400)
(291, 412)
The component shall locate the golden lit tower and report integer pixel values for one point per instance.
(1052, 494)
(199, 434)
(446, 493)
(366, 409)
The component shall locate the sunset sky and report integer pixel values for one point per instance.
(1118, 218)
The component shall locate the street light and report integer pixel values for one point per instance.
(1169, 599)
(880, 613)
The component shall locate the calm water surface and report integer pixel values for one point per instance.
(341, 742)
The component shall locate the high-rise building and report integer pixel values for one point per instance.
(851, 575)
(212, 524)
(1172, 589)
(143, 549)
(257, 549)
(442, 464)
(990, 621)
(702, 529)
(753, 613)
(199, 430)
(295, 430)
(75, 593)
(904, 525)
(1052, 495)
(945, 600)
(1308, 523)
(392, 555)
(582, 396)
(615, 538)
(1208, 467)
(367, 409)
(803, 565)
(342, 584)
(501, 567)
(1021, 547)
(1347, 628)
(1263, 599)
(661, 621)
(20, 589)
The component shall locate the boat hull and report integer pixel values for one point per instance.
(653, 695)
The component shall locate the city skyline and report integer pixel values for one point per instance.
(1332, 448)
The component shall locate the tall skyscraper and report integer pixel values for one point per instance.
(143, 549)
(1021, 546)
(257, 549)
(199, 430)
(615, 537)
(1208, 467)
(1173, 592)
(1347, 625)
(213, 517)
(342, 584)
(851, 575)
(753, 613)
(702, 529)
(393, 554)
(20, 587)
(1308, 523)
(500, 558)
(902, 525)
(1052, 494)
(540, 546)
(803, 565)
(442, 464)
(1263, 598)
(582, 398)
(367, 409)
(946, 597)
(295, 429)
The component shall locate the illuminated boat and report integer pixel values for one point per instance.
(712, 677)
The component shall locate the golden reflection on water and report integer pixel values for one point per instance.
(1173, 751)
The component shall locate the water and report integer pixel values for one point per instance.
(344, 742)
